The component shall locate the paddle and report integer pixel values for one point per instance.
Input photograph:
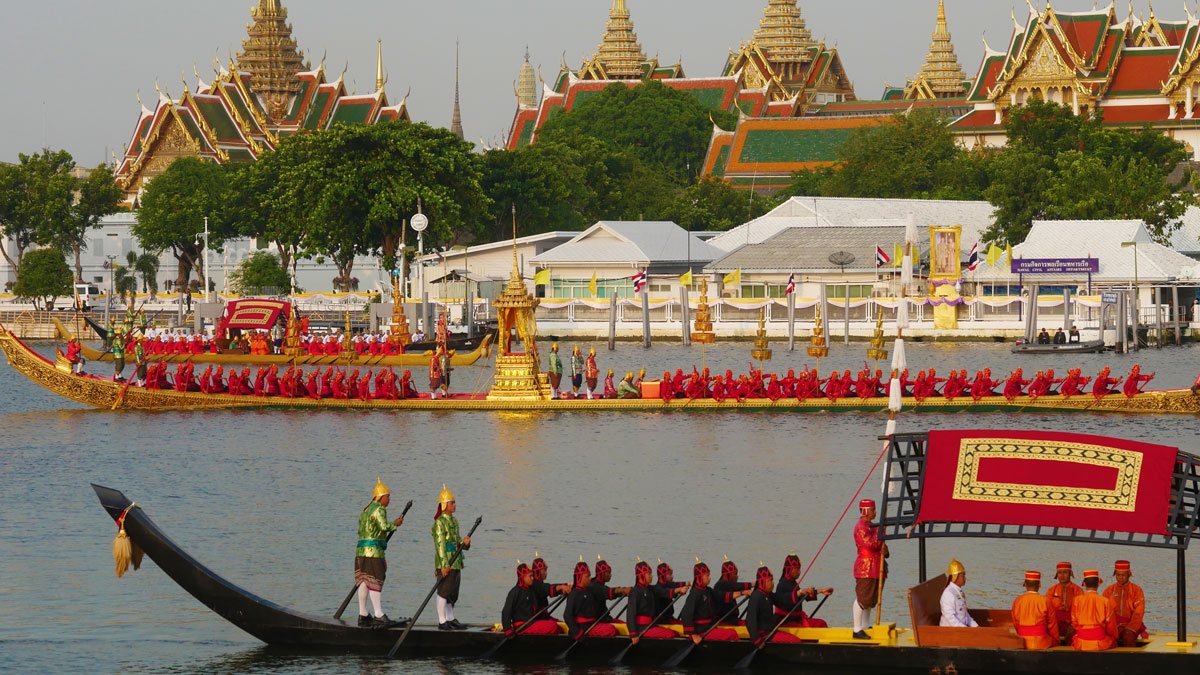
(349, 596)
(682, 654)
(521, 629)
(579, 638)
(760, 644)
(413, 621)
(620, 656)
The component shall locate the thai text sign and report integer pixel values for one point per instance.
(1056, 266)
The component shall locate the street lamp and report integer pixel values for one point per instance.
(418, 223)
(108, 262)
(1136, 291)
(207, 293)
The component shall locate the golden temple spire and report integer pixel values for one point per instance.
(456, 127)
(619, 53)
(379, 68)
(942, 71)
(269, 54)
(527, 92)
(783, 34)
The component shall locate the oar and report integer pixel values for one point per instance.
(616, 660)
(413, 621)
(682, 654)
(579, 638)
(349, 596)
(759, 645)
(521, 629)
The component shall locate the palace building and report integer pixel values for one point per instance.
(267, 94)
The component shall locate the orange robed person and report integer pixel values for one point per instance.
(1094, 617)
(1129, 603)
(1033, 617)
(1061, 596)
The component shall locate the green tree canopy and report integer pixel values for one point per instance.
(173, 209)
(43, 276)
(97, 196)
(261, 270)
(36, 197)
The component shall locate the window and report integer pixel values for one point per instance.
(578, 288)
(857, 291)
(755, 291)
(660, 288)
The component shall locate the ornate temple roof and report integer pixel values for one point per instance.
(619, 56)
(783, 34)
(941, 76)
(527, 95)
(269, 55)
(456, 126)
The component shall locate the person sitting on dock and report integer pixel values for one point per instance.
(1093, 617)
(954, 601)
(1133, 383)
(370, 567)
(1033, 616)
(581, 611)
(761, 617)
(1062, 596)
(789, 595)
(1060, 338)
(698, 615)
(521, 605)
(626, 389)
(1129, 603)
(1043, 338)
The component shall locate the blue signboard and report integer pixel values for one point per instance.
(1108, 298)
(1056, 266)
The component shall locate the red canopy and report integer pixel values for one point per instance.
(255, 314)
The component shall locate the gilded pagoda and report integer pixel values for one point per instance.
(941, 76)
(518, 374)
(267, 94)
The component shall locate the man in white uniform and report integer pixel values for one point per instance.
(954, 602)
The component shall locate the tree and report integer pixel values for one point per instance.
(260, 270)
(125, 283)
(35, 200)
(43, 276)
(144, 265)
(97, 196)
(174, 206)
(714, 205)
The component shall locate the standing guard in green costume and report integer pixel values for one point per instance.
(370, 567)
(555, 370)
(576, 371)
(118, 352)
(446, 541)
(139, 361)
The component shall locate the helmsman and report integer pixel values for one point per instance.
(446, 542)
(370, 567)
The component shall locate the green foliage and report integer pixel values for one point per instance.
(144, 265)
(259, 271)
(43, 276)
(97, 196)
(712, 204)
(35, 200)
(173, 209)
(125, 282)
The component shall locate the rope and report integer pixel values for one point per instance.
(844, 512)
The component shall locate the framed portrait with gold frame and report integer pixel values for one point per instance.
(945, 253)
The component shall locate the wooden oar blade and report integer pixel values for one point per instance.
(746, 660)
(679, 656)
(616, 660)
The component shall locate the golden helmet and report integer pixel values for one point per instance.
(554, 346)
(956, 568)
(380, 488)
(446, 496)
(610, 372)
(592, 351)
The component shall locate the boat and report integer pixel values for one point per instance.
(1085, 347)
(890, 649)
(418, 356)
(103, 393)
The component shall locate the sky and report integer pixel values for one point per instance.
(73, 68)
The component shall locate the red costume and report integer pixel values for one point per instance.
(1133, 383)
(1104, 385)
(1014, 385)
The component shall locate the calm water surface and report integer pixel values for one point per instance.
(270, 501)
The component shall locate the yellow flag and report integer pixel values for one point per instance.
(916, 257)
(542, 278)
(592, 285)
(734, 277)
(898, 256)
(1008, 252)
(993, 255)
(686, 279)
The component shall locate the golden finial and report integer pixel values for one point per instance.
(379, 68)
(580, 558)
(536, 554)
(697, 560)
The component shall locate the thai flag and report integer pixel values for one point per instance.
(791, 287)
(639, 281)
(881, 258)
(973, 259)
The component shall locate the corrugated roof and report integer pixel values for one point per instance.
(807, 249)
(1186, 239)
(1099, 239)
(975, 217)
(645, 242)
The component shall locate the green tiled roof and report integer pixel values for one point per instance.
(583, 95)
(722, 160)
(317, 109)
(218, 119)
(709, 97)
(352, 113)
(792, 145)
(244, 111)
(240, 155)
(526, 135)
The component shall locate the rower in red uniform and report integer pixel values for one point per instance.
(521, 605)
(1075, 383)
(1014, 385)
(933, 381)
(1094, 617)
(1040, 385)
(666, 391)
(788, 596)
(352, 384)
(760, 618)
(697, 615)
(725, 592)
(956, 385)
(581, 611)
(664, 592)
(339, 385)
(677, 384)
(642, 611)
(869, 568)
(983, 385)
(1033, 617)
(922, 388)
(364, 387)
(218, 381)
(600, 588)
(206, 380)
(542, 590)
(1134, 381)
(1061, 596)
(1129, 603)
(1104, 385)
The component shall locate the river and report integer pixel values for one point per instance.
(270, 501)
